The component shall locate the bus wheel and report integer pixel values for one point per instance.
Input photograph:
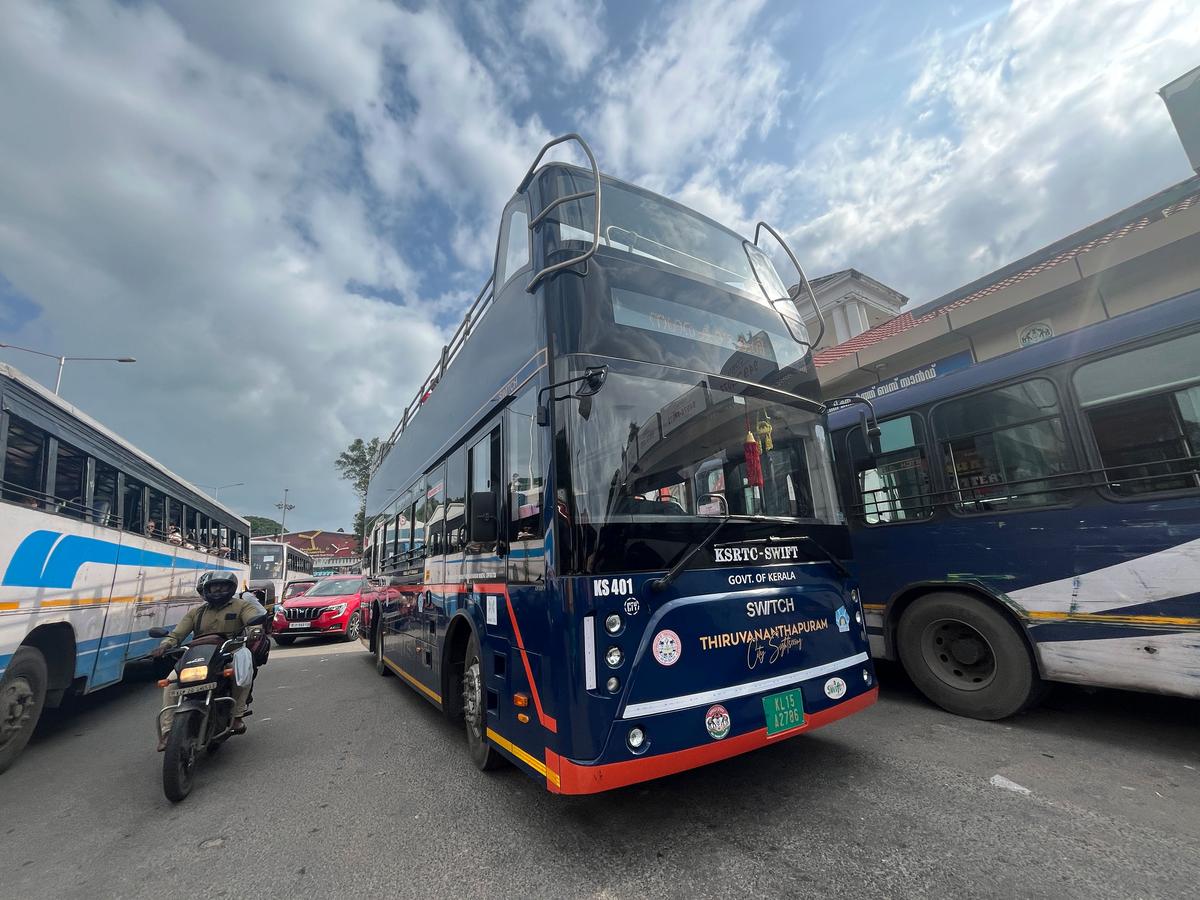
(967, 657)
(380, 666)
(474, 707)
(22, 695)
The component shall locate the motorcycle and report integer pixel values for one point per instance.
(203, 688)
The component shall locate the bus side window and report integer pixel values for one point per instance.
(524, 470)
(133, 505)
(456, 501)
(104, 494)
(484, 491)
(70, 480)
(1145, 416)
(895, 486)
(512, 252)
(25, 463)
(1003, 449)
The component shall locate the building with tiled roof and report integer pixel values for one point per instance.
(1140, 255)
(332, 552)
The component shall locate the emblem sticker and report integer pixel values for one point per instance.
(842, 618)
(632, 607)
(666, 647)
(835, 689)
(717, 721)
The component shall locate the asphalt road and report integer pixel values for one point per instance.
(349, 784)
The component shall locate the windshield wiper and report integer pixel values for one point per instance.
(661, 583)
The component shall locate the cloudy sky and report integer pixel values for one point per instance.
(282, 208)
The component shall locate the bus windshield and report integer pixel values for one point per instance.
(648, 447)
(266, 561)
(654, 228)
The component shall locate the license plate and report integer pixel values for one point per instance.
(299, 624)
(195, 688)
(784, 711)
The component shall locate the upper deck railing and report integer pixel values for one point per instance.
(483, 300)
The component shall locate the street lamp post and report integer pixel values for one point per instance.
(62, 360)
(220, 487)
(284, 507)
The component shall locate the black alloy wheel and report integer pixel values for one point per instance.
(474, 707)
(353, 626)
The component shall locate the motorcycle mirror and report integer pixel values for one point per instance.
(158, 632)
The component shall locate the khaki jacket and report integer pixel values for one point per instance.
(228, 620)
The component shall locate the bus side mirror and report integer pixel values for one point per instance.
(483, 518)
(543, 414)
(873, 443)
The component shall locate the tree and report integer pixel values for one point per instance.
(260, 526)
(354, 465)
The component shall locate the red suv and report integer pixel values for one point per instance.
(331, 606)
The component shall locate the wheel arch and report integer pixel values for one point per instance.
(56, 642)
(454, 651)
(910, 594)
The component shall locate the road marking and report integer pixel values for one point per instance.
(1001, 782)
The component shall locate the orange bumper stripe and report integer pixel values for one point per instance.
(577, 779)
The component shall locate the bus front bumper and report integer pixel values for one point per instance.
(563, 776)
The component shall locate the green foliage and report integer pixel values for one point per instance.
(354, 465)
(260, 526)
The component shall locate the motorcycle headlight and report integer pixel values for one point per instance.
(336, 610)
(193, 673)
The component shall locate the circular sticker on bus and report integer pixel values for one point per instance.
(835, 688)
(666, 647)
(716, 720)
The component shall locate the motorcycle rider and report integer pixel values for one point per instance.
(222, 613)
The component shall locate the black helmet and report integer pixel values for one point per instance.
(217, 588)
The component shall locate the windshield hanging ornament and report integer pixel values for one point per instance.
(764, 434)
(754, 473)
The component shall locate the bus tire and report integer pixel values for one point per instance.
(474, 707)
(380, 666)
(22, 697)
(284, 640)
(967, 657)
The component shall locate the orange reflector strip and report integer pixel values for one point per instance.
(163, 682)
(229, 673)
(522, 718)
(521, 699)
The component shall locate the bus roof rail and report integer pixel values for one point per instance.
(482, 301)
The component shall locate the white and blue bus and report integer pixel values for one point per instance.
(1036, 517)
(98, 544)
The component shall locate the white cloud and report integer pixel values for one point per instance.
(1046, 120)
(569, 29)
(162, 200)
(688, 95)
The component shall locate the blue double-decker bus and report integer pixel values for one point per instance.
(606, 532)
(1036, 517)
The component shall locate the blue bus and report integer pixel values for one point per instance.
(1036, 517)
(605, 535)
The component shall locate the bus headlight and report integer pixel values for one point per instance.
(612, 624)
(614, 657)
(193, 673)
(636, 738)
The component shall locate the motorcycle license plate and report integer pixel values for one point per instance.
(195, 688)
(299, 624)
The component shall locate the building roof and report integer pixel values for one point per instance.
(1174, 199)
(821, 280)
(323, 543)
